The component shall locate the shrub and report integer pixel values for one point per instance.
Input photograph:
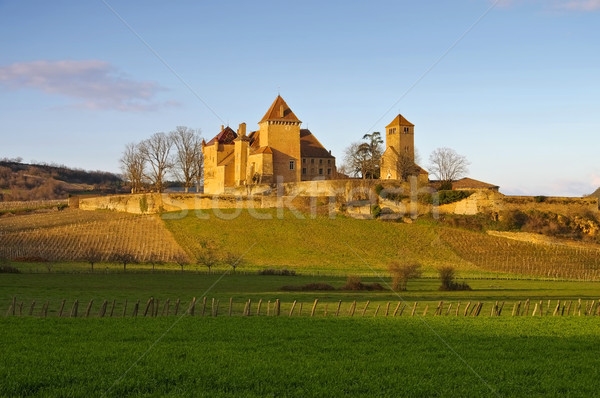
(376, 211)
(308, 287)
(446, 185)
(8, 269)
(401, 273)
(539, 199)
(447, 275)
(354, 283)
(378, 189)
(277, 272)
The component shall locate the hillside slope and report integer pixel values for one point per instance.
(22, 181)
(345, 245)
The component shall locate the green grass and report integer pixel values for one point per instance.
(54, 287)
(339, 245)
(299, 357)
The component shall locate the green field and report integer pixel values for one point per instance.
(299, 357)
(54, 287)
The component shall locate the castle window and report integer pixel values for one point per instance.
(406, 130)
(303, 160)
(320, 161)
(328, 161)
(312, 161)
(292, 164)
(321, 171)
(328, 171)
(304, 170)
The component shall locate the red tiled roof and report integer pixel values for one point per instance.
(226, 136)
(310, 147)
(274, 112)
(399, 120)
(469, 183)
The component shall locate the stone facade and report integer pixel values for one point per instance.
(279, 151)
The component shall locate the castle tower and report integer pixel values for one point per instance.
(241, 155)
(280, 131)
(400, 134)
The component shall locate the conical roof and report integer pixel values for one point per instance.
(399, 121)
(279, 110)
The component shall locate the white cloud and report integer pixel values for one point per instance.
(572, 5)
(97, 84)
(580, 5)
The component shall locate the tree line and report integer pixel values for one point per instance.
(362, 160)
(147, 164)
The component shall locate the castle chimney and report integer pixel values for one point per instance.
(242, 130)
(222, 127)
(280, 110)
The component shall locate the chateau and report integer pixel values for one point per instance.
(279, 151)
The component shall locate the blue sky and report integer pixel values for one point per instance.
(513, 85)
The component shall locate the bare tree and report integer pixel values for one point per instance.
(124, 257)
(447, 165)
(233, 260)
(181, 260)
(93, 256)
(402, 273)
(133, 165)
(188, 159)
(406, 167)
(356, 160)
(156, 151)
(207, 254)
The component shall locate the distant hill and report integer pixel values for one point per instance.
(22, 181)
(596, 194)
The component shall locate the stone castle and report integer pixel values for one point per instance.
(279, 151)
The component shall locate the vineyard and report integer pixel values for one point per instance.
(494, 253)
(31, 204)
(69, 235)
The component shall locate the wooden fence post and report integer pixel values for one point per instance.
(249, 307)
(314, 307)
(500, 309)
(62, 307)
(112, 307)
(526, 308)
(177, 306)
(277, 307)
(74, 309)
(449, 308)
(293, 306)
(325, 310)
(136, 309)
(541, 309)
(438, 310)
(337, 312)
(155, 306)
(268, 307)
(258, 307)
(353, 308)
(457, 308)
(31, 308)
(366, 306)
(387, 309)
(203, 305)
(193, 306)
(166, 307)
(150, 300)
(44, 312)
(467, 308)
(414, 309)
(102, 311)
(125, 309)
(426, 308)
(396, 309)
(89, 308)
(535, 309)
(377, 310)
(212, 307)
(402, 309)
(569, 308)
(557, 308)
(13, 307)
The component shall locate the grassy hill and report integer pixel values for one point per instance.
(596, 193)
(22, 181)
(345, 245)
